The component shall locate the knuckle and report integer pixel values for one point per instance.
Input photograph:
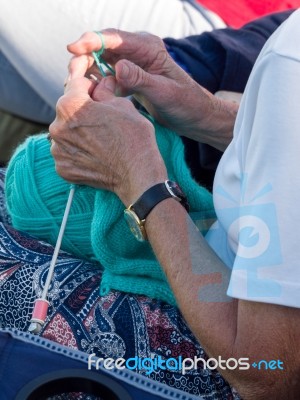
(112, 31)
(162, 56)
(66, 106)
(62, 165)
(151, 37)
(113, 37)
(56, 152)
(136, 77)
(61, 171)
(54, 129)
(155, 41)
(61, 106)
(139, 77)
(88, 37)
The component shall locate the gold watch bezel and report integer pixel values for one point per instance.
(136, 226)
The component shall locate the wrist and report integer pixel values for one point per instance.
(137, 214)
(139, 181)
(217, 129)
(216, 122)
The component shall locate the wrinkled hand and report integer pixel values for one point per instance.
(144, 67)
(104, 142)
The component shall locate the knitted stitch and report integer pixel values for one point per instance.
(96, 230)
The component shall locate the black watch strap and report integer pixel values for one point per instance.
(151, 197)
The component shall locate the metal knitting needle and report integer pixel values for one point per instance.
(41, 305)
(92, 76)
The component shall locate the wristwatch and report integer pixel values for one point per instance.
(135, 215)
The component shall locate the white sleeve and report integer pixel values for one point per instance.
(262, 166)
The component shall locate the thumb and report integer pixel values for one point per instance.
(105, 89)
(132, 78)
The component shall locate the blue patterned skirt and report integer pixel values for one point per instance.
(116, 325)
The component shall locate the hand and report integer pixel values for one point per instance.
(104, 142)
(144, 67)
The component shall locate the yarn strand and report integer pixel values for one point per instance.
(99, 60)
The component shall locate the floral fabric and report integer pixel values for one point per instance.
(115, 325)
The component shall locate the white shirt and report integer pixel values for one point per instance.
(257, 184)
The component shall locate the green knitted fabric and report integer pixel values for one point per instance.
(96, 229)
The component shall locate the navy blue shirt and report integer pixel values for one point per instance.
(220, 60)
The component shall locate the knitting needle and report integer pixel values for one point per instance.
(41, 305)
(94, 77)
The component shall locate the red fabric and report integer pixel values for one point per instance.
(236, 13)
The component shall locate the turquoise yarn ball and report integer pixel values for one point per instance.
(96, 230)
(36, 198)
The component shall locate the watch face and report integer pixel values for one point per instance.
(135, 225)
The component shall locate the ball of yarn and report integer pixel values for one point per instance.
(36, 198)
(96, 230)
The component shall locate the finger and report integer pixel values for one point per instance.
(142, 48)
(94, 70)
(79, 65)
(118, 44)
(105, 89)
(78, 86)
(91, 41)
(133, 79)
(88, 42)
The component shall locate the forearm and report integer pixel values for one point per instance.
(191, 268)
(197, 114)
(225, 327)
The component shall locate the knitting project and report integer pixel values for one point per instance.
(96, 230)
